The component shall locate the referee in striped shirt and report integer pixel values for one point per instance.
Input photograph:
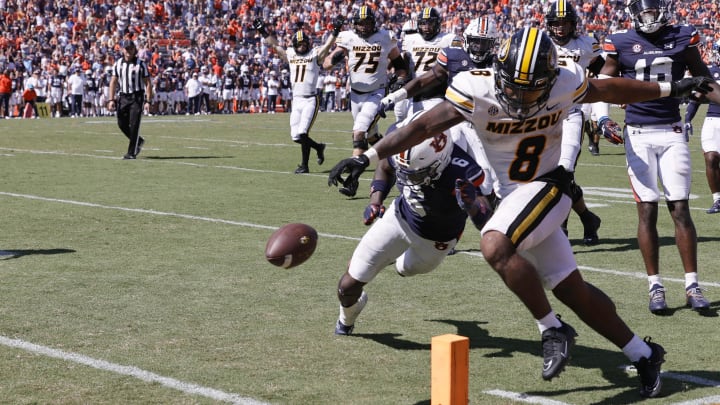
(131, 78)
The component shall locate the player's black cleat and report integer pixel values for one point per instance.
(557, 344)
(301, 170)
(591, 226)
(649, 370)
(321, 154)
(344, 330)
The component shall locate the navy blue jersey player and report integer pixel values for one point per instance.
(710, 135)
(655, 146)
(438, 184)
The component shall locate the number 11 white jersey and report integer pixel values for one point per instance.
(304, 71)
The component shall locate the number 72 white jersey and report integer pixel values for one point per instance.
(304, 71)
(518, 151)
(423, 54)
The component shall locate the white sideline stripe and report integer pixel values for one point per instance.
(326, 235)
(516, 396)
(680, 377)
(643, 276)
(702, 401)
(162, 213)
(186, 387)
(149, 161)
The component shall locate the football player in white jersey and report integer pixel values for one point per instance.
(305, 64)
(421, 51)
(370, 52)
(403, 106)
(518, 109)
(561, 21)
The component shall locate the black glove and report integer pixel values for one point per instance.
(354, 167)
(372, 212)
(689, 85)
(398, 84)
(259, 25)
(338, 24)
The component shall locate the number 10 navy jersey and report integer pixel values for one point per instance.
(659, 58)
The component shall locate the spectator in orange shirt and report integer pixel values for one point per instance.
(29, 97)
(5, 93)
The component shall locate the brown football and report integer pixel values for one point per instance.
(291, 245)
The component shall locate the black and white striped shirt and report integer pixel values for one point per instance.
(131, 75)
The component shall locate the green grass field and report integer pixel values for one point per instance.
(145, 282)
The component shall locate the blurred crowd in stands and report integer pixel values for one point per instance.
(43, 43)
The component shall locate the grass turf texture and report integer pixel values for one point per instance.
(158, 264)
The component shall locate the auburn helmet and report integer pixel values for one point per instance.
(525, 71)
(364, 22)
(561, 20)
(479, 39)
(423, 163)
(300, 40)
(410, 27)
(428, 23)
(649, 15)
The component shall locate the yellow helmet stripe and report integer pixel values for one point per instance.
(426, 13)
(528, 51)
(363, 12)
(561, 8)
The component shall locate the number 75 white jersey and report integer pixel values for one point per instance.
(518, 151)
(368, 59)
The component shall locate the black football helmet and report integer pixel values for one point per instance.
(559, 13)
(649, 15)
(525, 71)
(429, 23)
(301, 43)
(364, 22)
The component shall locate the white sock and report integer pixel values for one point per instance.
(652, 280)
(548, 321)
(348, 315)
(637, 349)
(716, 196)
(690, 279)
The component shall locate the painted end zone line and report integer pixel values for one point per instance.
(516, 396)
(143, 375)
(162, 213)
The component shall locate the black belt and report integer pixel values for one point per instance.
(308, 96)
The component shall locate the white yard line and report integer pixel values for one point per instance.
(186, 387)
(520, 397)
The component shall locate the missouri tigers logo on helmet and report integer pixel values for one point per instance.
(561, 20)
(526, 69)
(299, 40)
(364, 22)
(429, 23)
